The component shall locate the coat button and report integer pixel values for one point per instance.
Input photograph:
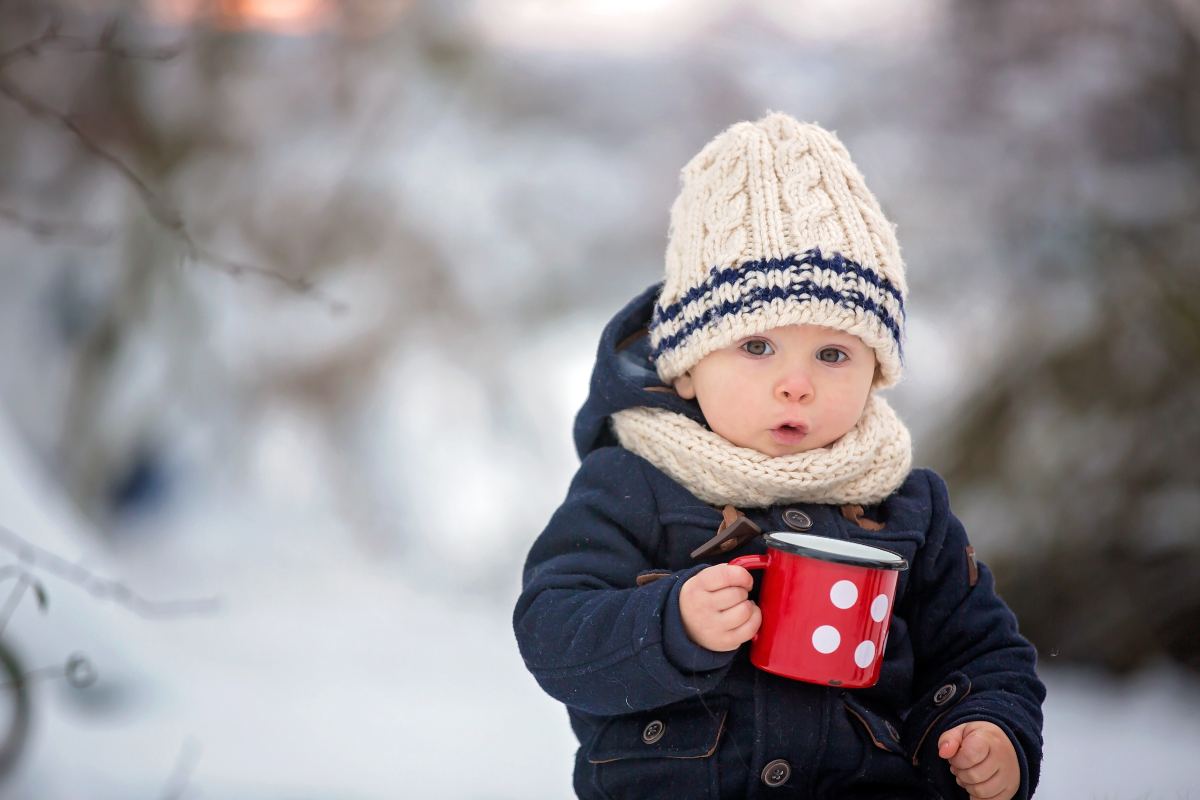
(653, 731)
(776, 773)
(944, 694)
(797, 520)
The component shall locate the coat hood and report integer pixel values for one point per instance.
(624, 376)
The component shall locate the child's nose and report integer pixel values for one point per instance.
(794, 385)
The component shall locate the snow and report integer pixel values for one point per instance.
(322, 674)
(1107, 738)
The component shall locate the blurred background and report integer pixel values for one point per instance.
(288, 285)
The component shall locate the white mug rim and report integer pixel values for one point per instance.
(841, 551)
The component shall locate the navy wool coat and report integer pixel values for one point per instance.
(658, 716)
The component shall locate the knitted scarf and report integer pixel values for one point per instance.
(863, 467)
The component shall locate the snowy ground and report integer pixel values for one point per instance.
(326, 674)
(339, 684)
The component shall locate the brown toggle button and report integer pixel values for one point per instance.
(650, 576)
(855, 514)
(797, 520)
(944, 694)
(776, 773)
(653, 731)
(736, 529)
(972, 567)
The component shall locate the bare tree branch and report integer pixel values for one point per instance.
(24, 581)
(52, 38)
(44, 229)
(33, 556)
(236, 268)
(162, 211)
(185, 764)
(166, 215)
(33, 46)
(78, 671)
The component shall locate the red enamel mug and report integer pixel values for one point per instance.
(826, 606)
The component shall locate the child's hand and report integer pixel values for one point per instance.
(982, 759)
(716, 610)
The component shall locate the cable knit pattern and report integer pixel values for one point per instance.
(774, 225)
(864, 466)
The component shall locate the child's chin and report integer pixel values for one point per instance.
(809, 444)
(767, 446)
(775, 450)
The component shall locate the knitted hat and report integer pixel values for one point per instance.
(774, 225)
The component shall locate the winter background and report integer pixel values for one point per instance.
(286, 285)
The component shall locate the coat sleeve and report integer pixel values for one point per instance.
(971, 662)
(591, 637)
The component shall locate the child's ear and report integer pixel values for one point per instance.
(684, 387)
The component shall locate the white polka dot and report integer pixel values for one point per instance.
(879, 608)
(864, 654)
(826, 639)
(843, 594)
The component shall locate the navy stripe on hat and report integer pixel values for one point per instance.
(758, 296)
(836, 263)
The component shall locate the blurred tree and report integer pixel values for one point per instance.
(1082, 446)
(176, 134)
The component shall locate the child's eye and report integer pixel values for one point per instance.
(758, 347)
(832, 355)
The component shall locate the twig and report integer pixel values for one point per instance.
(51, 38)
(102, 588)
(42, 229)
(167, 216)
(235, 269)
(185, 764)
(14, 598)
(78, 671)
(33, 46)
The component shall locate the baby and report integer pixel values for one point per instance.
(738, 396)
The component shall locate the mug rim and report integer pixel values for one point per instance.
(844, 551)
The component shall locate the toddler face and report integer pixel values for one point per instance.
(785, 391)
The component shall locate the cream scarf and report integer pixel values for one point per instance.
(864, 466)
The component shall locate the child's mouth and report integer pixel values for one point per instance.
(789, 434)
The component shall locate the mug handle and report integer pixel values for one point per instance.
(750, 562)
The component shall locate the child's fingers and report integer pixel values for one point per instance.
(733, 575)
(727, 598)
(750, 627)
(971, 752)
(743, 577)
(719, 576)
(977, 775)
(950, 741)
(738, 615)
(992, 787)
(710, 579)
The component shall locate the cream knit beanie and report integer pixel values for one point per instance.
(774, 225)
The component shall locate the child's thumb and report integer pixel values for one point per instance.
(950, 741)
